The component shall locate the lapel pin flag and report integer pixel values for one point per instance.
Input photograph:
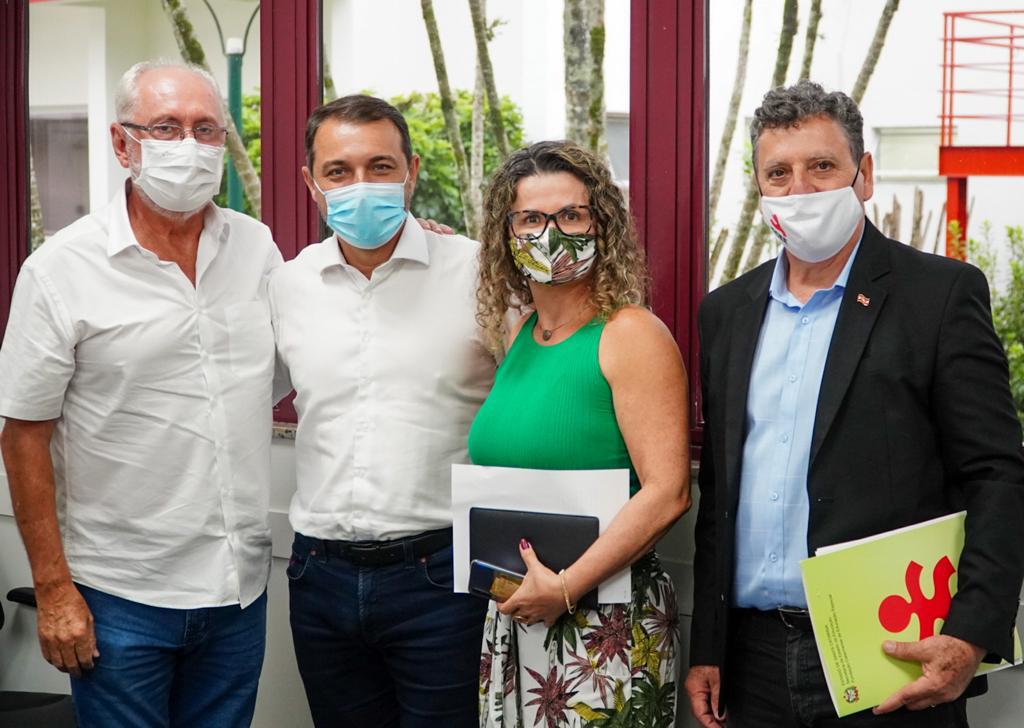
(863, 300)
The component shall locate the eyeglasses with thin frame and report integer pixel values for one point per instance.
(204, 133)
(570, 220)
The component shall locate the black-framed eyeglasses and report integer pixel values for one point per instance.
(570, 220)
(204, 133)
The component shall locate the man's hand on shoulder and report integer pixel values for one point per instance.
(703, 685)
(948, 664)
(434, 226)
(67, 635)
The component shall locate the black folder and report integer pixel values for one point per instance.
(557, 539)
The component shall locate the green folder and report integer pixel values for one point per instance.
(892, 586)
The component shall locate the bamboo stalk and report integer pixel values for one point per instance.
(483, 56)
(451, 122)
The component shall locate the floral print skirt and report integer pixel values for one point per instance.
(612, 666)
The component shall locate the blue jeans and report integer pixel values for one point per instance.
(775, 680)
(386, 645)
(171, 667)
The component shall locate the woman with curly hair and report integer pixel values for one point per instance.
(590, 379)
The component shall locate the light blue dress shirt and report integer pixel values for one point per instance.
(771, 519)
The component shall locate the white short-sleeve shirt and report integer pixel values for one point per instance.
(162, 396)
(388, 373)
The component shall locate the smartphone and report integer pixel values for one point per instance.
(493, 582)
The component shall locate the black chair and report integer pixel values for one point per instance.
(32, 710)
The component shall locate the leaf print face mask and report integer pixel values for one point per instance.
(554, 258)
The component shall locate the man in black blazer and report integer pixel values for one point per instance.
(852, 386)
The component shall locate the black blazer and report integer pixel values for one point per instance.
(914, 420)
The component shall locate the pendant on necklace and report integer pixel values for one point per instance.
(545, 334)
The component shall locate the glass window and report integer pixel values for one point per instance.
(78, 51)
(528, 54)
(901, 105)
(60, 163)
(908, 151)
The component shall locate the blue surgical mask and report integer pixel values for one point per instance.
(366, 214)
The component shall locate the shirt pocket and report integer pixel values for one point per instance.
(250, 338)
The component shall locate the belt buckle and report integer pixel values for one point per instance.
(363, 554)
(792, 614)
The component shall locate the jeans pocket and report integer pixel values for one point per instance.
(437, 569)
(297, 564)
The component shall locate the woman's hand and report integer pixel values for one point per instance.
(539, 598)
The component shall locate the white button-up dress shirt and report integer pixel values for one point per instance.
(388, 373)
(162, 396)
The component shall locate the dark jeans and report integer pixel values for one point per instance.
(171, 667)
(386, 645)
(775, 680)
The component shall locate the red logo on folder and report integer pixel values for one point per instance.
(895, 611)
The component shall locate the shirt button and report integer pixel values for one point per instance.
(774, 496)
(773, 558)
(805, 320)
(785, 438)
(792, 378)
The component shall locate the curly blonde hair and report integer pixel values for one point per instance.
(619, 277)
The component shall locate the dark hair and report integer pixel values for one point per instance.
(787, 106)
(356, 109)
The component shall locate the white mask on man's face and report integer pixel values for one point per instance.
(815, 226)
(179, 176)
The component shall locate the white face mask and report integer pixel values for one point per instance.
(814, 227)
(180, 176)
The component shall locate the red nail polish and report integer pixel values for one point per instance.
(524, 544)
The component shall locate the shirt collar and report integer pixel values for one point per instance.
(412, 245)
(120, 235)
(779, 290)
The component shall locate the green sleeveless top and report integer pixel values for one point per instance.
(551, 408)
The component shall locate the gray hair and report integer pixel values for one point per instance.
(784, 107)
(126, 97)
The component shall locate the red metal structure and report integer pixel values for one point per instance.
(979, 69)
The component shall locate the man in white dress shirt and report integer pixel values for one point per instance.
(376, 326)
(135, 376)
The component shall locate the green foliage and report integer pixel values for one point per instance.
(437, 189)
(251, 138)
(1007, 302)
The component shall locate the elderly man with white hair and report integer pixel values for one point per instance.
(136, 382)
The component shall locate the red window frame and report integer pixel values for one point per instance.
(667, 127)
(14, 213)
(668, 174)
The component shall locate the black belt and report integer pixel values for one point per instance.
(384, 553)
(791, 617)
